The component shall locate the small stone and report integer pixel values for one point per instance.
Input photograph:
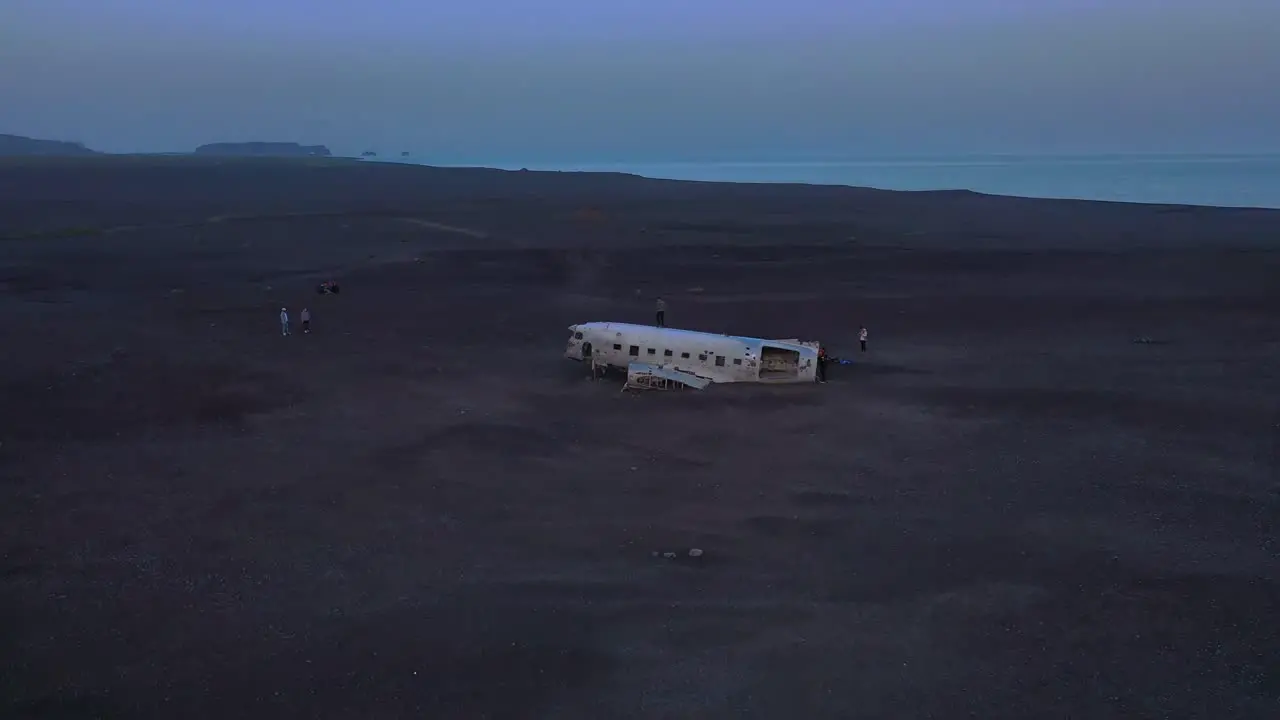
(695, 552)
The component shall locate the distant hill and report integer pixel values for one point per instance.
(263, 149)
(15, 145)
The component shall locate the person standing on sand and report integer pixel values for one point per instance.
(284, 321)
(305, 317)
(822, 365)
(862, 338)
(662, 313)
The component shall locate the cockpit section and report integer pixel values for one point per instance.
(575, 350)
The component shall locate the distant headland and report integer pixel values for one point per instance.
(18, 145)
(13, 145)
(264, 149)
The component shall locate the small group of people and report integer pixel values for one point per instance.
(304, 317)
(822, 354)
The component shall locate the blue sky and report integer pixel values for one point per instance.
(511, 81)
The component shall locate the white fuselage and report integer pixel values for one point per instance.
(719, 358)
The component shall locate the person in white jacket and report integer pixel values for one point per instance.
(284, 321)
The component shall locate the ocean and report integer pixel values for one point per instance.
(1223, 180)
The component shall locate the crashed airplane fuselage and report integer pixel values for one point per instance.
(711, 357)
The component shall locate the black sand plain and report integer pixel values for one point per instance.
(1007, 508)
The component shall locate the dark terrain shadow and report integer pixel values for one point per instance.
(126, 395)
(1089, 405)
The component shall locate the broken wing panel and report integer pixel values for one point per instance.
(635, 370)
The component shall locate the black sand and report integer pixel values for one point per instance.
(1007, 508)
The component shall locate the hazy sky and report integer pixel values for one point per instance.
(647, 80)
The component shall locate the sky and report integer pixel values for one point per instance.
(573, 81)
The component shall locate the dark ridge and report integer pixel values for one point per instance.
(263, 149)
(17, 145)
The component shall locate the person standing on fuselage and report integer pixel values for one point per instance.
(862, 338)
(662, 313)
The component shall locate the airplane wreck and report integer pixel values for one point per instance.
(669, 358)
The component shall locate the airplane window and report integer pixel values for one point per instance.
(651, 351)
(719, 361)
(617, 346)
(737, 361)
(633, 351)
(702, 357)
(577, 336)
(684, 355)
(666, 353)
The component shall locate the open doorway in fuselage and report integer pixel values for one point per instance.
(779, 363)
(597, 366)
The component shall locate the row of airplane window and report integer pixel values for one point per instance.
(634, 351)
